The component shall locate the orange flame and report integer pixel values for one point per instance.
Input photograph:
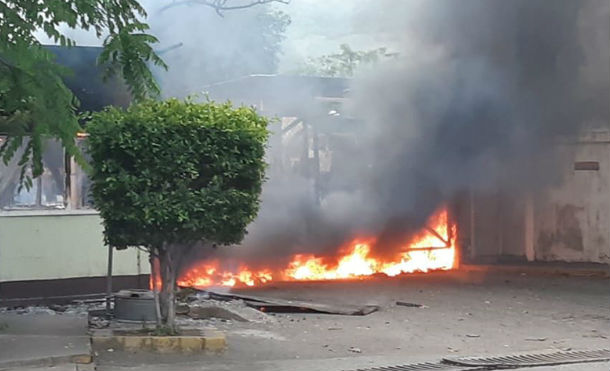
(433, 248)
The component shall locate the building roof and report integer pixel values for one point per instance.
(281, 94)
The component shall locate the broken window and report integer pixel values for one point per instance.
(80, 183)
(47, 191)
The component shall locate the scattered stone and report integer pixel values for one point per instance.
(536, 339)
(355, 350)
(182, 308)
(110, 350)
(473, 335)
(58, 308)
(334, 328)
(409, 305)
(98, 322)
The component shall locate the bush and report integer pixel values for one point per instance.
(169, 175)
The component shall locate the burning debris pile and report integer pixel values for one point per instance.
(433, 248)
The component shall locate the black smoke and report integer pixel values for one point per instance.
(483, 92)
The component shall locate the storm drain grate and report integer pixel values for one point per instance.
(533, 359)
(419, 367)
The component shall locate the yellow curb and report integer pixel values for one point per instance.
(211, 341)
(82, 359)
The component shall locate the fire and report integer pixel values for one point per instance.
(433, 248)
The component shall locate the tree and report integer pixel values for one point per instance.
(170, 176)
(34, 101)
(344, 63)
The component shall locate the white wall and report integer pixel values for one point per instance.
(60, 245)
(572, 221)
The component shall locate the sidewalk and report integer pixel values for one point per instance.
(42, 338)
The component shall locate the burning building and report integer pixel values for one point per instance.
(499, 131)
(487, 142)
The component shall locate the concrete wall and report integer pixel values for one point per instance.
(569, 222)
(572, 221)
(59, 244)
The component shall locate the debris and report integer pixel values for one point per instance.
(355, 350)
(236, 310)
(473, 335)
(110, 350)
(536, 339)
(213, 311)
(334, 328)
(58, 308)
(292, 306)
(409, 305)
(182, 308)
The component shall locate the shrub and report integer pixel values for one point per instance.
(168, 176)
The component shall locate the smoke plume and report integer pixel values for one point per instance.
(482, 92)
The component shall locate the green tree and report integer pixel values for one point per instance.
(171, 176)
(34, 101)
(344, 63)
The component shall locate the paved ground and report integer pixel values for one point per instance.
(466, 314)
(40, 336)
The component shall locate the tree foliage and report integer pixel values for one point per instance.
(34, 101)
(169, 175)
(344, 63)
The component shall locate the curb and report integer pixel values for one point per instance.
(209, 341)
(80, 358)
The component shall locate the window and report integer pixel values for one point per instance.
(57, 188)
(80, 184)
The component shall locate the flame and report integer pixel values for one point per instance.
(433, 248)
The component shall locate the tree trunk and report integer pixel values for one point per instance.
(154, 278)
(168, 291)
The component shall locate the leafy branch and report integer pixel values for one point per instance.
(221, 6)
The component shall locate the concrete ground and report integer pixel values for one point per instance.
(465, 314)
(41, 336)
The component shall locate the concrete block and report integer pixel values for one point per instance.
(195, 341)
(166, 344)
(192, 344)
(215, 341)
(132, 343)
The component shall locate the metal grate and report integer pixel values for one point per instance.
(419, 367)
(533, 359)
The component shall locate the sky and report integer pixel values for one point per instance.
(318, 27)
